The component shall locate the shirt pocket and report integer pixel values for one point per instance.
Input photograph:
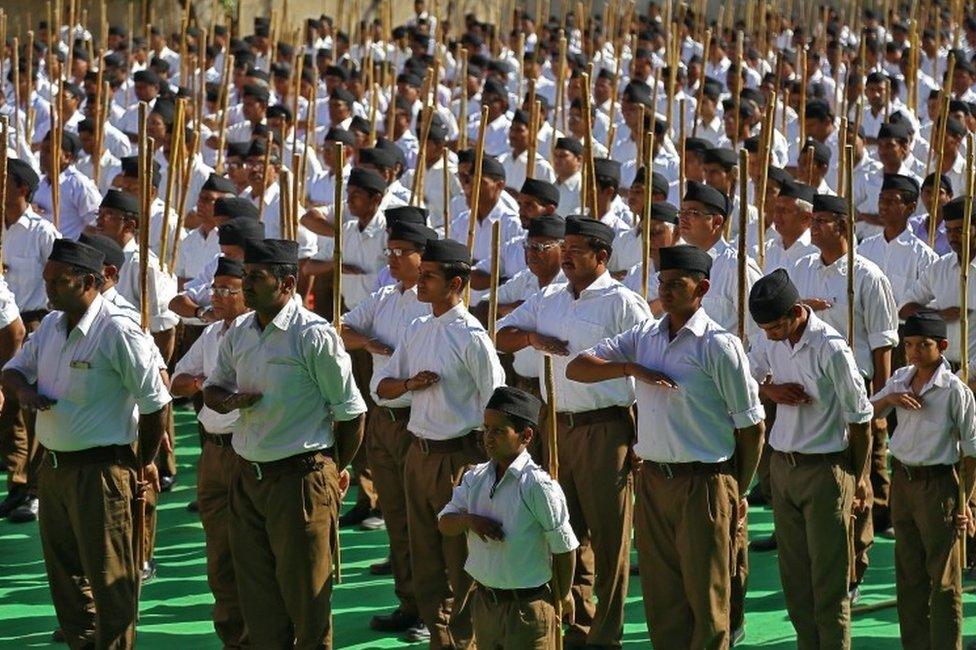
(283, 378)
(584, 334)
(88, 382)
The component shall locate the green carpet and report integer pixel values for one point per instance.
(176, 606)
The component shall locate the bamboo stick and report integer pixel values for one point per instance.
(175, 151)
(187, 169)
(742, 254)
(851, 215)
(646, 217)
(479, 153)
(269, 142)
(4, 134)
(530, 156)
(417, 187)
(446, 216)
(496, 254)
(962, 502)
(339, 157)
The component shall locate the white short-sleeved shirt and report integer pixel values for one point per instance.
(200, 360)
(934, 434)
(304, 375)
(532, 510)
(603, 310)
(903, 260)
(715, 396)
(938, 288)
(385, 316)
(823, 364)
(27, 244)
(456, 347)
(102, 374)
(875, 313)
(778, 257)
(79, 200)
(363, 248)
(162, 288)
(722, 300)
(196, 249)
(520, 288)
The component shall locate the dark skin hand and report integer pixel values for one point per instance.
(788, 394)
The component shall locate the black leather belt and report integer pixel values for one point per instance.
(508, 595)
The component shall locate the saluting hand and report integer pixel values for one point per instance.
(548, 344)
(241, 400)
(788, 394)
(817, 304)
(31, 400)
(485, 527)
(422, 380)
(907, 401)
(648, 376)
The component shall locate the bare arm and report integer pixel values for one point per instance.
(186, 385)
(563, 567)
(11, 338)
(152, 427)
(748, 447)
(882, 368)
(181, 305)
(315, 221)
(860, 436)
(348, 435)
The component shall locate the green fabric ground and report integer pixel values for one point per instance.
(176, 606)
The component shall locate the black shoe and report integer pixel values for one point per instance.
(12, 502)
(384, 568)
(166, 483)
(57, 636)
(763, 544)
(193, 506)
(25, 513)
(738, 635)
(149, 571)
(395, 621)
(355, 516)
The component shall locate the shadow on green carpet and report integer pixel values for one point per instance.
(176, 606)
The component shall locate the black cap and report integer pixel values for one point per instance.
(360, 124)
(955, 209)
(586, 227)
(943, 181)
(446, 251)
(230, 267)
(146, 76)
(415, 233)
(772, 297)
(901, 183)
(271, 251)
(722, 156)
(491, 168)
(108, 247)
(707, 195)
(896, 130)
(697, 145)
(260, 93)
(778, 175)
(659, 184)
(121, 200)
(235, 207)
(279, 110)
(955, 127)
(664, 211)
(545, 192)
(830, 203)
(22, 173)
(515, 403)
(794, 190)
(819, 109)
(376, 156)
(925, 322)
(77, 254)
(549, 225)
(335, 134)
(238, 149)
(238, 231)
(217, 183)
(821, 152)
(367, 180)
(606, 170)
(130, 167)
(406, 214)
(570, 144)
(342, 95)
(686, 258)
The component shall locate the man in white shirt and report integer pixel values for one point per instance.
(699, 436)
(567, 162)
(377, 325)
(515, 160)
(594, 422)
(201, 244)
(822, 282)
(789, 239)
(935, 411)
(449, 365)
(300, 423)
(495, 97)
(217, 460)
(516, 521)
(821, 449)
(78, 195)
(87, 371)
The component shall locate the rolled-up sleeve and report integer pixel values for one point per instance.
(25, 361)
(730, 372)
(459, 503)
(880, 312)
(547, 503)
(332, 369)
(224, 374)
(846, 380)
(133, 358)
(964, 416)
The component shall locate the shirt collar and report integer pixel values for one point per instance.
(284, 318)
(695, 325)
(515, 468)
(454, 313)
(720, 247)
(85, 323)
(940, 379)
(604, 281)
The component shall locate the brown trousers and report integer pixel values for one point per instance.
(684, 532)
(389, 442)
(362, 372)
(510, 624)
(19, 450)
(863, 531)
(440, 583)
(215, 476)
(812, 514)
(282, 529)
(595, 474)
(926, 560)
(86, 535)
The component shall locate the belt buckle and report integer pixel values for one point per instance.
(908, 472)
(424, 447)
(571, 419)
(666, 468)
(791, 459)
(257, 471)
(54, 458)
(389, 412)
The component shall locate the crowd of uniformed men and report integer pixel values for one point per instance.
(683, 375)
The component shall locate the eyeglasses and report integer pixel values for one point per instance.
(399, 252)
(541, 247)
(695, 214)
(224, 292)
